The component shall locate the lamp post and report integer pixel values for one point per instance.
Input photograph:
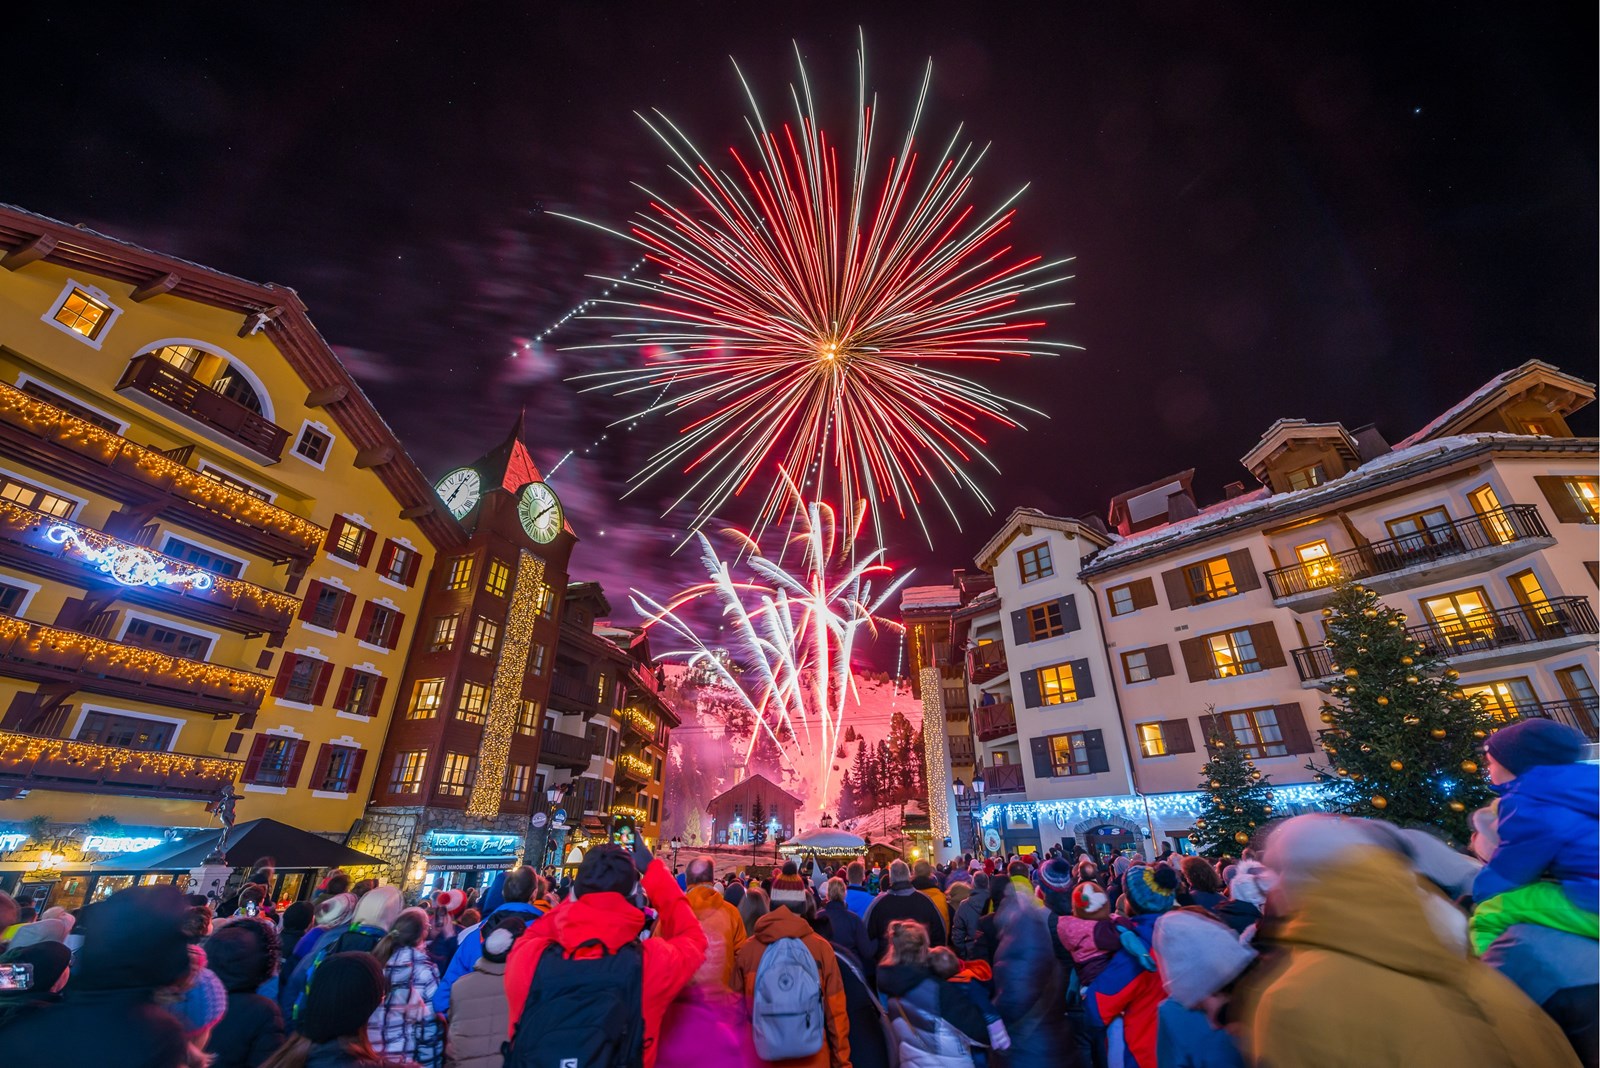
(972, 804)
(676, 844)
(539, 825)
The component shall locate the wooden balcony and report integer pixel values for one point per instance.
(960, 749)
(68, 662)
(1460, 547)
(992, 722)
(573, 693)
(986, 662)
(31, 762)
(1003, 779)
(633, 769)
(562, 750)
(193, 404)
(641, 725)
(41, 544)
(148, 480)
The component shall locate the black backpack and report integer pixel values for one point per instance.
(582, 1013)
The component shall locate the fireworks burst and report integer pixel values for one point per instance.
(795, 632)
(808, 320)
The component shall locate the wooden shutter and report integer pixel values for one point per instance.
(319, 689)
(1069, 613)
(342, 694)
(1176, 734)
(1292, 723)
(375, 702)
(1159, 660)
(1082, 681)
(413, 562)
(396, 624)
(1264, 636)
(341, 618)
(364, 624)
(1094, 746)
(386, 555)
(1019, 626)
(1197, 659)
(1030, 689)
(319, 770)
(1244, 570)
(334, 529)
(285, 671)
(295, 761)
(357, 761)
(1144, 593)
(1562, 503)
(1042, 768)
(308, 603)
(368, 540)
(252, 763)
(1177, 588)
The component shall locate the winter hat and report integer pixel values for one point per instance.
(202, 1005)
(503, 931)
(607, 869)
(1197, 956)
(56, 912)
(135, 941)
(789, 890)
(1435, 861)
(49, 960)
(380, 907)
(452, 901)
(336, 911)
(975, 867)
(1151, 888)
(345, 989)
(1535, 742)
(298, 916)
(40, 931)
(1250, 883)
(1297, 848)
(1056, 875)
(243, 954)
(1089, 902)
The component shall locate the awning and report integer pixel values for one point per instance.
(290, 848)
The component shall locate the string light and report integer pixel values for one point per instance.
(630, 812)
(505, 696)
(641, 723)
(629, 762)
(131, 565)
(88, 655)
(1181, 805)
(31, 748)
(938, 769)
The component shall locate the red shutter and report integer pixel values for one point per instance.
(413, 562)
(324, 676)
(319, 770)
(299, 758)
(364, 624)
(341, 618)
(310, 600)
(342, 694)
(375, 702)
(356, 763)
(395, 624)
(368, 539)
(334, 530)
(252, 763)
(386, 557)
(285, 669)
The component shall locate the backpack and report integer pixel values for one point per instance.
(786, 1014)
(582, 1012)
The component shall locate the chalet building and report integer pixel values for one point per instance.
(212, 553)
(754, 798)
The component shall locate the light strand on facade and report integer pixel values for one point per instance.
(937, 769)
(36, 642)
(505, 696)
(1064, 813)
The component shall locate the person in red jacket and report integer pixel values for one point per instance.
(604, 909)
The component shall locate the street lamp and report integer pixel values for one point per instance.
(676, 844)
(976, 808)
(539, 824)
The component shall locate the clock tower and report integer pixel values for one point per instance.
(459, 783)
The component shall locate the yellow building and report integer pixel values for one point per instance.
(211, 554)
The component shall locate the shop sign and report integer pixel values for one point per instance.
(118, 843)
(462, 844)
(8, 842)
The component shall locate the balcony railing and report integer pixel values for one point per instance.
(986, 661)
(1003, 779)
(573, 689)
(44, 545)
(633, 768)
(562, 750)
(29, 761)
(640, 724)
(57, 441)
(1486, 530)
(994, 721)
(1582, 714)
(960, 748)
(198, 405)
(82, 662)
(1542, 621)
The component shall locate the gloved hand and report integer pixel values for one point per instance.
(999, 1039)
(641, 853)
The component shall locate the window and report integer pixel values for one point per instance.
(1256, 731)
(1136, 665)
(1421, 529)
(148, 635)
(1462, 614)
(233, 482)
(408, 769)
(1525, 587)
(1503, 699)
(325, 606)
(1034, 563)
(200, 556)
(1577, 685)
(1044, 621)
(12, 598)
(1317, 563)
(536, 659)
(70, 406)
(473, 702)
(425, 698)
(231, 383)
(443, 633)
(274, 761)
(1585, 496)
(518, 776)
(455, 774)
(313, 444)
(1210, 580)
(1487, 504)
(600, 693)
(528, 718)
(545, 600)
(40, 500)
(398, 563)
(83, 314)
(495, 579)
(1306, 477)
(129, 732)
(1057, 685)
(359, 693)
(1233, 653)
(382, 626)
(1069, 754)
(183, 357)
(350, 541)
(1151, 743)
(458, 573)
(485, 636)
(341, 769)
(301, 679)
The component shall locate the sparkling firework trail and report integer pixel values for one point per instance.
(795, 633)
(808, 320)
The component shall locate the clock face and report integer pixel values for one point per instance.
(460, 490)
(540, 512)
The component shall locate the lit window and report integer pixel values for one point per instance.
(458, 575)
(340, 774)
(1256, 732)
(1486, 502)
(1505, 698)
(381, 627)
(1233, 653)
(184, 358)
(1152, 742)
(528, 718)
(40, 500)
(600, 692)
(1044, 621)
(1056, 684)
(1136, 665)
(425, 699)
(1210, 580)
(455, 775)
(83, 314)
(362, 693)
(408, 769)
(536, 659)
(1317, 563)
(517, 778)
(1306, 477)
(544, 599)
(473, 703)
(1069, 754)
(443, 635)
(1579, 688)
(496, 578)
(1421, 529)
(1586, 496)
(351, 542)
(1460, 615)
(485, 636)
(313, 444)
(234, 483)
(397, 562)
(1034, 563)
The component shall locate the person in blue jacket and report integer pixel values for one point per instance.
(857, 897)
(511, 892)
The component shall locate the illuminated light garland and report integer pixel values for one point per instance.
(29, 748)
(505, 695)
(933, 746)
(130, 565)
(634, 764)
(1064, 813)
(114, 451)
(35, 642)
(637, 815)
(640, 722)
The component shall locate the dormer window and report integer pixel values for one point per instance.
(1306, 477)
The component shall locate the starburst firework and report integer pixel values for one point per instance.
(808, 320)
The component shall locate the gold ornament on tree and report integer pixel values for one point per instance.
(1379, 801)
(1439, 733)
(1240, 837)
(1395, 765)
(1470, 767)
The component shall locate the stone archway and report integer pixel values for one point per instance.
(1107, 834)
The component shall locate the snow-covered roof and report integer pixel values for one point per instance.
(913, 597)
(1489, 389)
(827, 838)
(1032, 517)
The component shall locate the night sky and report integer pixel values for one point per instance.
(1278, 210)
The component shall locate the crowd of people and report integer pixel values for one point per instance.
(1330, 940)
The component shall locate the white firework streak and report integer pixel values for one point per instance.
(797, 633)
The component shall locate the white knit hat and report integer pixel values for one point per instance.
(1197, 956)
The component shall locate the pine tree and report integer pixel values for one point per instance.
(888, 781)
(866, 778)
(1402, 737)
(1239, 796)
(758, 824)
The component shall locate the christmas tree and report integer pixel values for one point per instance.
(1402, 737)
(758, 824)
(1239, 796)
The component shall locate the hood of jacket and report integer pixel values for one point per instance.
(135, 941)
(898, 980)
(924, 882)
(242, 955)
(704, 897)
(1566, 786)
(610, 917)
(780, 923)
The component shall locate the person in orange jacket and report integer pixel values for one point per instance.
(603, 909)
(723, 925)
